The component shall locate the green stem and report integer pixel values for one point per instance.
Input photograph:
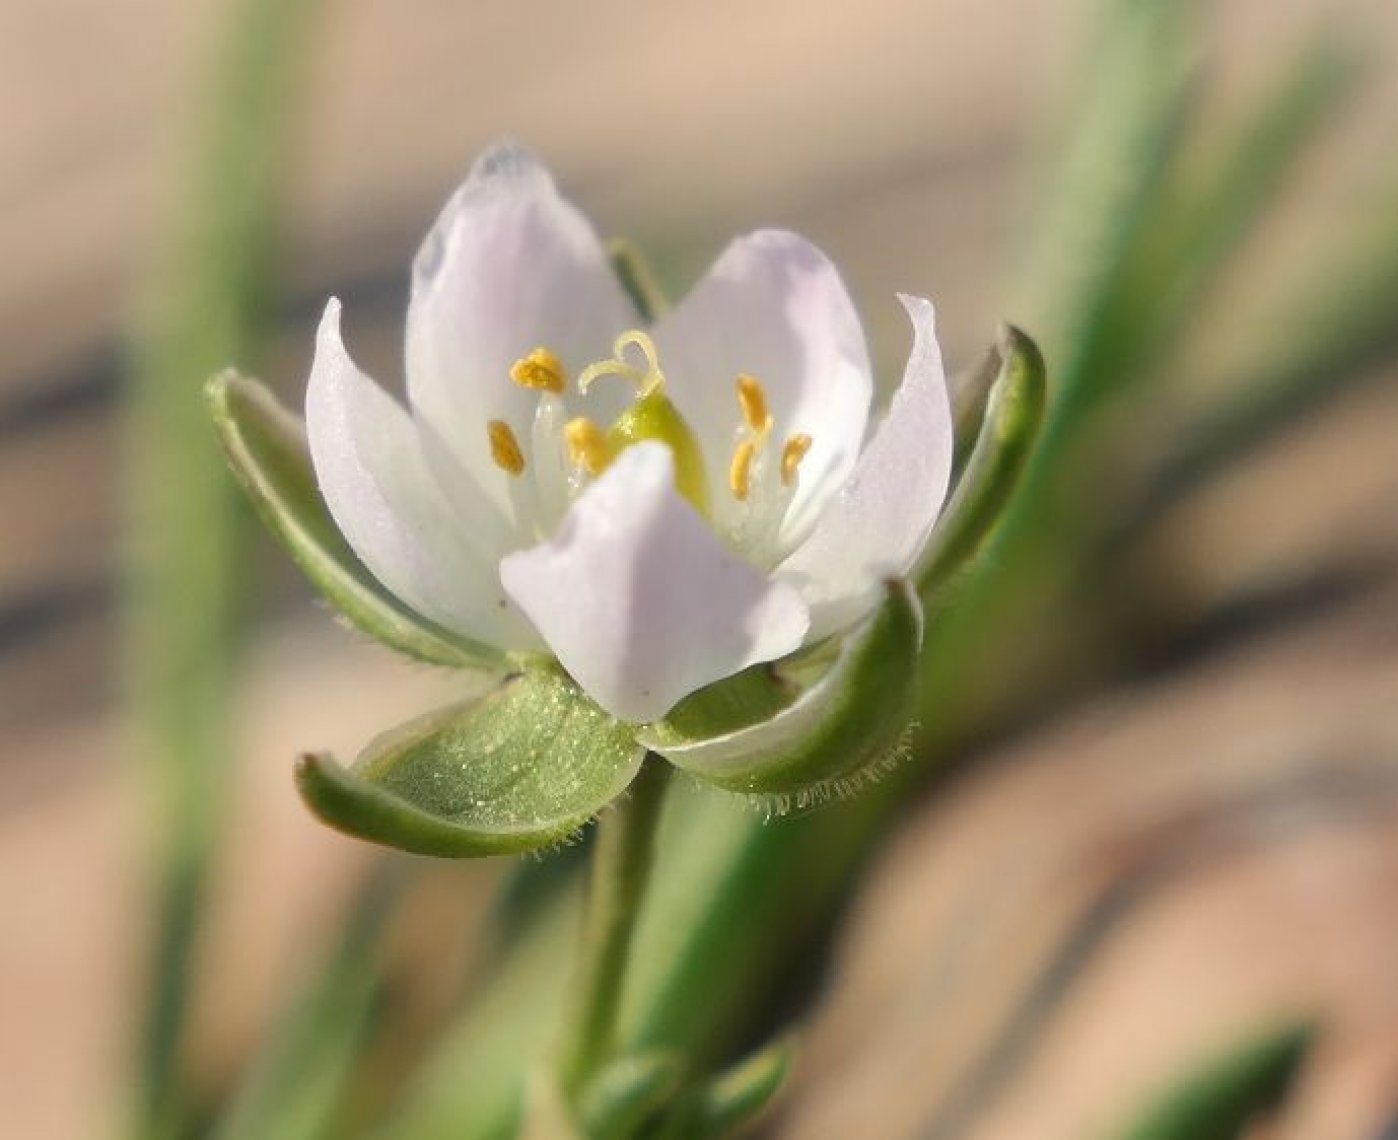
(622, 858)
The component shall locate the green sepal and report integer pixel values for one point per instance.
(627, 1093)
(266, 447)
(1223, 1098)
(731, 1100)
(638, 279)
(1014, 416)
(843, 725)
(969, 396)
(521, 768)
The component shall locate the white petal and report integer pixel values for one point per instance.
(638, 599)
(369, 464)
(508, 267)
(879, 521)
(772, 306)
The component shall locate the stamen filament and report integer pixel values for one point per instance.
(792, 453)
(504, 447)
(540, 371)
(740, 469)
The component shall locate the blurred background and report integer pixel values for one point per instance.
(1153, 806)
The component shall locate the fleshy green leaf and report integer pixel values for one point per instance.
(626, 1093)
(732, 1099)
(848, 721)
(266, 447)
(1013, 417)
(1220, 1100)
(518, 769)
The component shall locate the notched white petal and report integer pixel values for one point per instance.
(640, 602)
(880, 519)
(369, 465)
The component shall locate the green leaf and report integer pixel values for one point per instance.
(1220, 1100)
(843, 725)
(206, 305)
(521, 768)
(1338, 331)
(266, 447)
(1111, 176)
(626, 1093)
(546, 1113)
(296, 1086)
(1014, 415)
(474, 1082)
(1185, 249)
(732, 1099)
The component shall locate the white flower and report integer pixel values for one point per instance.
(657, 508)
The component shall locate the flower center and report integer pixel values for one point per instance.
(651, 416)
(566, 452)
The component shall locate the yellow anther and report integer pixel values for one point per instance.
(753, 400)
(587, 445)
(740, 469)
(504, 447)
(648, 380)
(540, 371)
(792, 454)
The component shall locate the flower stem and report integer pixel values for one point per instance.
(621, 863)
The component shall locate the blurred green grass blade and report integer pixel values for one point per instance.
(1121, 142)
(203, 313)
(297, 1087)
(472, 1087)
(1340, 327)
(1222, 1099)
(1219, 203)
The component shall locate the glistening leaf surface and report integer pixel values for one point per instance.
(521, 768)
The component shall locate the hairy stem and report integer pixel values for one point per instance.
(622, 858)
